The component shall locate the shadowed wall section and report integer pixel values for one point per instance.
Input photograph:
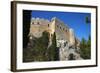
(26, 26)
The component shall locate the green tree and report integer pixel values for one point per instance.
(37, 52)
(85, 48)
(87, 19)
(53, 51)
(89, 47)
(40, 50)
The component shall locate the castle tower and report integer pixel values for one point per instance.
(72, 37)
(38, 26)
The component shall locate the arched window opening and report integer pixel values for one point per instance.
(66, 30)
(38, 23)
(32, 23)
(71, 57)
(48, 25)
(60, 27)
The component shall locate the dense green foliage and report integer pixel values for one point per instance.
(53, 51)
(85, 48)
(40, 50)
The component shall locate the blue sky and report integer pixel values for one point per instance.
(75, 20)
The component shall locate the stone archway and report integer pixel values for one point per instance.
(71, 57)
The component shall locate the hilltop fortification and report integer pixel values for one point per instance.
(66, 40)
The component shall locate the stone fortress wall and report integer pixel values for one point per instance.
(63, 32)
(65, 37)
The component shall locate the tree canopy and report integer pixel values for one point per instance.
(85, 48)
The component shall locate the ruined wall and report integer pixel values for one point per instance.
(62, 31)
(37, 26)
